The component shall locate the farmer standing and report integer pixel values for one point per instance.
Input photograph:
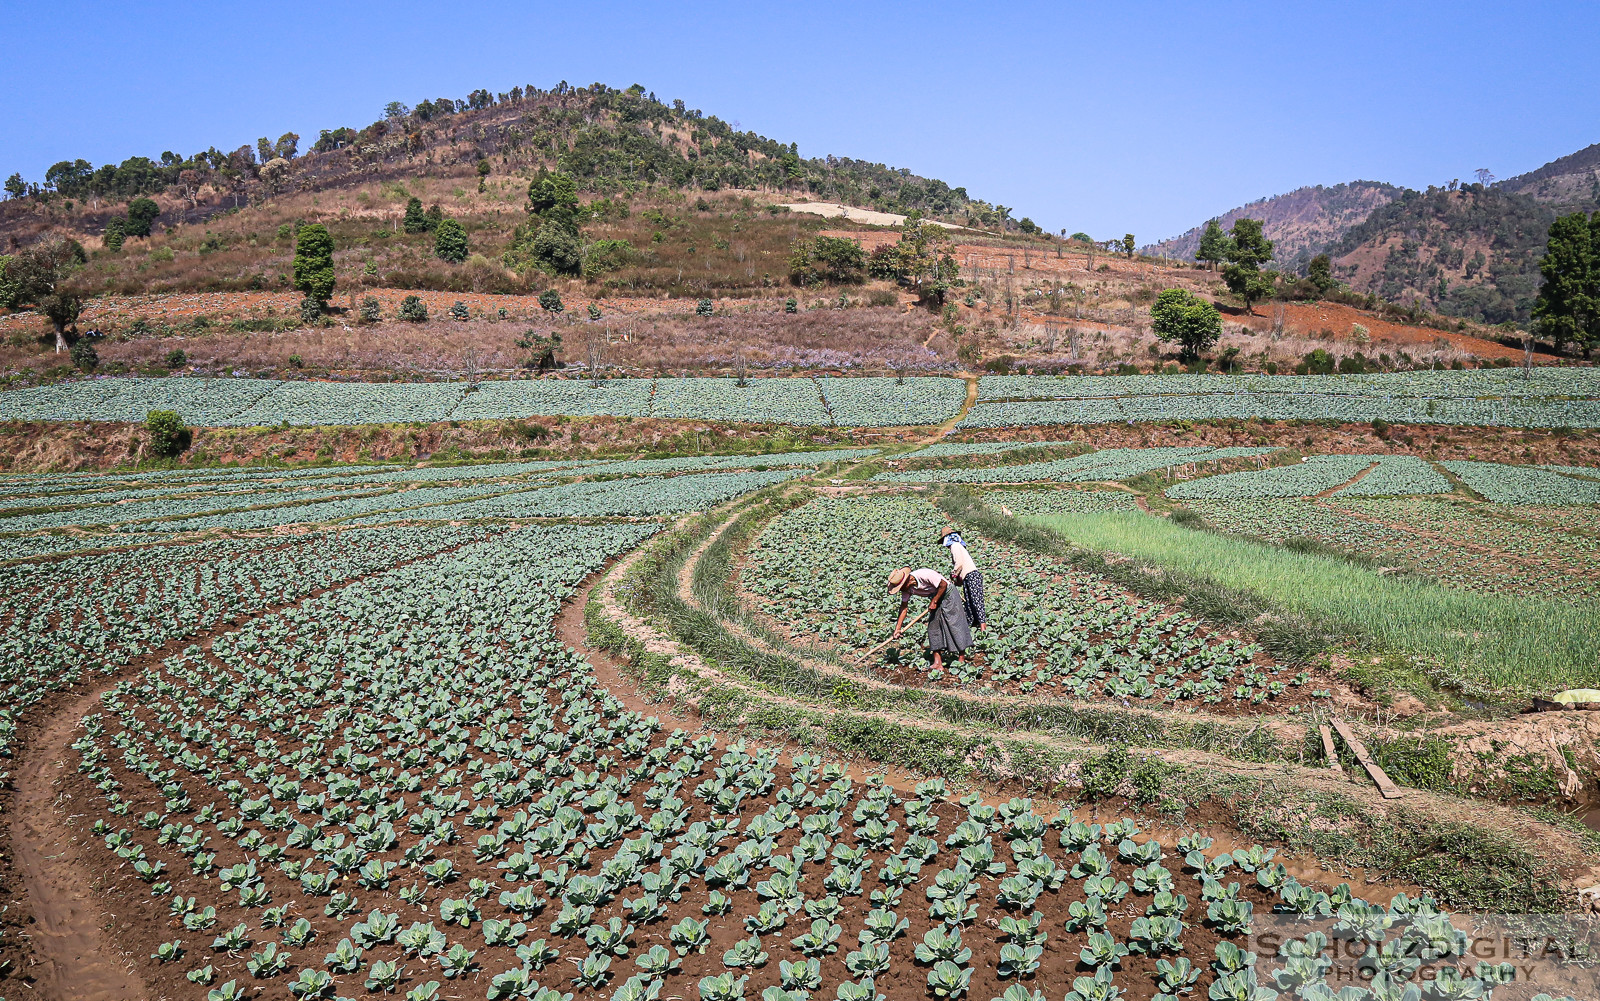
(966, 576)
(947, 626)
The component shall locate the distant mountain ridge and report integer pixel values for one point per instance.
(1301, 223)
(1461, 250)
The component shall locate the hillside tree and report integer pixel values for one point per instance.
(1127, 245)
(142, 212)
(1213, 245)
(1180, 316)
(42, 276)
(1568, 307)
(450, 242)
(414, 222)
(1248, 250)
(1320, 273)
(313, 264)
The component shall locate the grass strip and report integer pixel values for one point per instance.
(1496, 644)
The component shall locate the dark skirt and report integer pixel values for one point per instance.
(948, 632)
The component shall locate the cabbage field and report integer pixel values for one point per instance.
(1567, 397)
(338, 745)
(854, 402)
(819, 571)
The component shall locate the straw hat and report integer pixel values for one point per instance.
(898, 578)
(946, 530)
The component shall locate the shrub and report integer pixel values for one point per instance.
(310, 310)
(450, 242)
(790, 305)
(116, 227)
(606, 255)
(1318, 362)
(550, 301)
(371, 310)
(557, 249)
(459, 311)
(168, 435)
(413, 310)
(176, 358)
(703, 308)
(594, 311)
(84, 355)
(883, 297)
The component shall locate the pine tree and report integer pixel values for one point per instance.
(1248, 249)
(1213, 245)
(1568, 307)
(415, 221)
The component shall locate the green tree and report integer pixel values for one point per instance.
(10, 282)
(557, 249)
(483, 173)
(450, 242)
(414, 222)
(1127, 245)
(1081, 237)
(141, 213)
(169, 438)
(1180, 316)
(1213, 245)
(43, 275)
(550, 301)
(541, 348)
(287, 145)
(1248, 249)
(1320, 273)
(433, 217)
(920, 261)
(313, 263)
(116, 229)
(549, 192)
(16, 187)
(827, 259)
(1568, 307)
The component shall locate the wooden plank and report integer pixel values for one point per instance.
(1386, 787)
(1329, 751)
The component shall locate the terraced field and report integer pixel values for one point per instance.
(820, 571)
(331, 741)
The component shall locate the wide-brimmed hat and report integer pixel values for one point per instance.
(946, 531)
(898, 578)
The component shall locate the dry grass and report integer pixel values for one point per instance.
(862, 339)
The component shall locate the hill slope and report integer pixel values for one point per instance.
(1472, 252)
(1302, 223)
(1571, 183)
(613, 141)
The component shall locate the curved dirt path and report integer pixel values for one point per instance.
(74, 946)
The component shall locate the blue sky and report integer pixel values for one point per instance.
(1104, 117)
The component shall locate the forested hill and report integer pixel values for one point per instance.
(1471, 251)
(1571, 183)
(1301, 223)
(611, 140)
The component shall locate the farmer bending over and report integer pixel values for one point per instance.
(947, 626)
(967, 577)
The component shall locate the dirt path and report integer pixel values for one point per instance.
(73, 938)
